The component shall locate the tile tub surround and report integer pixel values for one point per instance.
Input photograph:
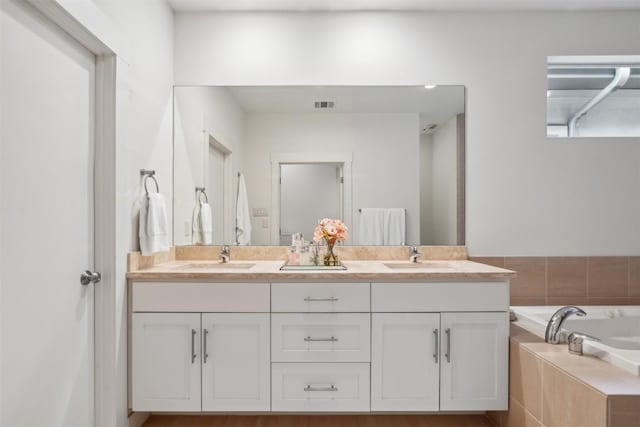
(572, 280)
(551, 388)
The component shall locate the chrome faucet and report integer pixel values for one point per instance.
(552, 334)
(225, 254)
(414, 254)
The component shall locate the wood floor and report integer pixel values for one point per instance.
(318, 421)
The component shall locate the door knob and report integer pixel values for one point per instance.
(89, 276)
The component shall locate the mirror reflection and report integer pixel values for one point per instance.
(593, 97)
(261, 165)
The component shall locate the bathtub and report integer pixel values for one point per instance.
(618, 328)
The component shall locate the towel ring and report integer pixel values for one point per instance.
(200, 192)
(146, 178)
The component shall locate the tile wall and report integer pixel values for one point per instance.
(572, 280)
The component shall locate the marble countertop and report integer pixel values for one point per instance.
(446, 270)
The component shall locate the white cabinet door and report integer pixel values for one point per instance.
(405, 362)
(235, 362)
(166, 362)
(475, 361)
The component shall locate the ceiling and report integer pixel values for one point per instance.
(400, 5)
(435, 106)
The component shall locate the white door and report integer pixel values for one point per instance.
(46, 222)
(166, 362)
(405, 363)
(215, 191)
(475, 361)
(235, 362)
(308, 193)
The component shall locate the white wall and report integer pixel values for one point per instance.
(144, 135)
(214, 111)
(439, 174)
(526, 195)
(384, 168)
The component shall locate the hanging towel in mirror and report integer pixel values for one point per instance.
(371, 230)
(394, 226)
(202, 224)
(243, 219)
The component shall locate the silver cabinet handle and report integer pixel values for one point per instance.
(330, 299)
(311, 388)
(204, 344)
(436, 344)
(448, 351)
(193, 346)
(312, 339)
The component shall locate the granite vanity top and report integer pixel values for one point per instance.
(446, 270)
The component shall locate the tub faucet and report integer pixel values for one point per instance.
(225, 254)
(414, 254)
(552, 334)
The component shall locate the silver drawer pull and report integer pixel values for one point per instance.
(447, 355)
(331, 299)
(311, 388)
(312, 339)
(206, 354)
(193, 346)
(436, 343)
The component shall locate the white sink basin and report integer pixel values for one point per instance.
(215, 266)
(425, 264)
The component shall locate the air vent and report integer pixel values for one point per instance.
(322, 105)
(429, 128)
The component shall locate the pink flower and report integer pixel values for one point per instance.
(331, 230)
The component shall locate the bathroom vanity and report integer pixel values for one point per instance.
(376, 337)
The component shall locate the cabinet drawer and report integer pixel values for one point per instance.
(320, 387)
(320, 297)
(200, 297)
(440, 296)
(320, 337)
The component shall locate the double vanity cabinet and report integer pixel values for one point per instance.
(301, 346)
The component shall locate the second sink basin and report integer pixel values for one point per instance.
(426, 264)
(216, 265)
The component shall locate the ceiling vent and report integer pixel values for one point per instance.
(429, 128)
(323, 105)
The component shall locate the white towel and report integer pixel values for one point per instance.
(202, 224)
(243, 219)
(206, 223)
(371, 230)
(153, 229)
(394, 227)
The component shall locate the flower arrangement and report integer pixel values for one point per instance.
(331, 231)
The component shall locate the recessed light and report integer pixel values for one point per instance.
(429, 86)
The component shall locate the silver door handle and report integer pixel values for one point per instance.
(330, 299)
(448, 351)
(193, 346)
(89, 276)
(311, 388)
(312, 339)
(436, 344)
(204, 344)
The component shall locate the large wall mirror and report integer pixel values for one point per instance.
(254, 165)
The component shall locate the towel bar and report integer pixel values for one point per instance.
(201, 191)
(146, 174)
